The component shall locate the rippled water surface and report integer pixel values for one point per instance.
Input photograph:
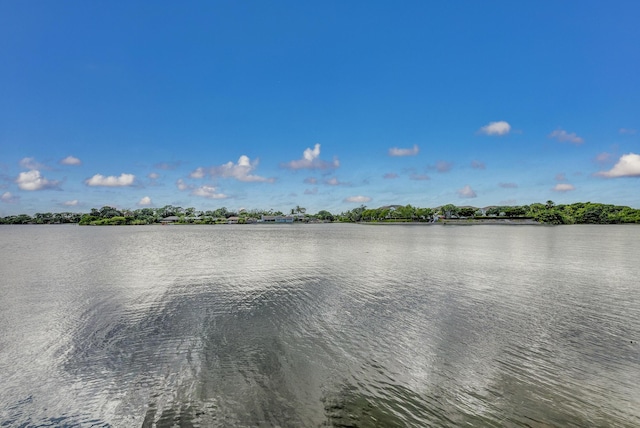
(319, 325)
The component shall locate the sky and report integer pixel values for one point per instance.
(325, 105)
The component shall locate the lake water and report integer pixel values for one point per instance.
(320, 325)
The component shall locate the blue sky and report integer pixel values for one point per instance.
(326, 105)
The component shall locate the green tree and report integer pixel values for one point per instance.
(109, 212)
(449, 210)
(325, 215)
(424, 213)
(467, 211)
(355, 215)
(551, 216)
(221, 212)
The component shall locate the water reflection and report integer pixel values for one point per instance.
(333, 325)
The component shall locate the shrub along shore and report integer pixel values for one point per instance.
(537, 213)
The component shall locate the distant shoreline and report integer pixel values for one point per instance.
(460, 222)
(506, 221)
(450, 222)
(534, 214)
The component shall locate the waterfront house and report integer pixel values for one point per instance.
(277, 219)
(170, 220)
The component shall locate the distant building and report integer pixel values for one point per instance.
(277, 219)
(169, 220)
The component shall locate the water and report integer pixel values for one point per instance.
(319, 325)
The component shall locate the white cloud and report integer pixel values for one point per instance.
(628, 131)
(358, 199)
(565, 137)
(153, 175)
(198, 173)
(390, 175)
(603, 157)
(33, 180)
(335, 182)
(508, 185)
(466, 192)
(208, 192)
(72, 203)
(563, 187)
(168, 166)
(111, 180)
(241, 171)
(181, 185)
(496, 128)
(443, 166)
(9, 198)
(145, 202)
(311, 160)
(627, 166)
(477, 164)
(311, 180)
(31, 163)
(419, 177)
(313, 191)
(395, 151)
(70, 160)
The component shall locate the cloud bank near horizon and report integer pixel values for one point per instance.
(563, 187)
(358, 199)
(208, 192)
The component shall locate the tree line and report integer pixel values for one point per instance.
(547, 213)
(108, 215)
